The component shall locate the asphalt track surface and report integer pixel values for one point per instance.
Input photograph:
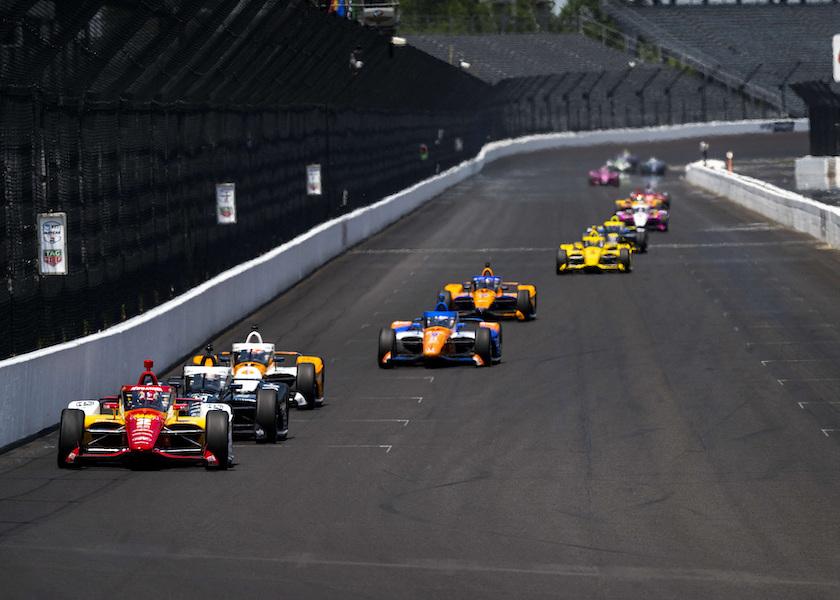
(670, 433)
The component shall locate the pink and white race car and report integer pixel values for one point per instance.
(604, 176)
(643, 216)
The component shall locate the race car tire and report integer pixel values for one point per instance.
(266, 415)
(306, 384)
(624, 259)
(285, 398)
(484, 346)
(472, 326)
(562, 259)
(387, 343)
(446, 299)
(642, 241)
(523, 304)
(216, 436)
(71, 432)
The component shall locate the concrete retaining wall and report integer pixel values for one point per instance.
(793, 210)
(35, 387)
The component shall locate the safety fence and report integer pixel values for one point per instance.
(637, 96)
(138, 187)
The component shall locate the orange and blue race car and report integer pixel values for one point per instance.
(487, 296)
(145, 423)
(440, 336)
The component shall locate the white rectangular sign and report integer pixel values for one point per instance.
(835, 56)
(313, 180)
(226, 203)
(52, 246)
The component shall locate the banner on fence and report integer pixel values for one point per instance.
(226, 203)
(52, 247)
(313, 180)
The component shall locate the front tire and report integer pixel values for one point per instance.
(71, 432)
(624, 259)
(642, 241)
(484, 346)
(562, 260)
(387, 343)
(216, 433)
(266, 415)
(306, 383)
(523, 304)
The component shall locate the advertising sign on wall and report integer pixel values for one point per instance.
(313, 180)
(226, 203)
(835, 57)
(52, 243)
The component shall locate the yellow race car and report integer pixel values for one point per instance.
(594, 253)
(487, 296)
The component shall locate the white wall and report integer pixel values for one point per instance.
(34, 387)
(793, 210)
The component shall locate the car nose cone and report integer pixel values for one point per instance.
(433, 341)
(142, 430)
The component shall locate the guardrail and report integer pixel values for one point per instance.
(38, 384)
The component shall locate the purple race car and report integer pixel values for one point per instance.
(604, 176)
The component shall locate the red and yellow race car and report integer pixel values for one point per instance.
(487, 296)
(145, 422)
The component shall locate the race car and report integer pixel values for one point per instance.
(642, 215)
(145, 422)
(486, 295)
(604, 176)
(625, 162)
(653, 166)
(255, 360)
(594, 253)
(260, 409)
(628, 233)
(440, 336)
(652, 198)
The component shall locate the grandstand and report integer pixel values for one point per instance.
(769, 46)
(497, 57)
(555, 82)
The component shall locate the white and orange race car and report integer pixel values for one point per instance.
(487, 296)
(255, 360)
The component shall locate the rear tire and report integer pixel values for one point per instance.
(523, 304)
(266, 414)
(387, 343)
(562, 260)
(624, 259)
(484, 346)
(306, 384)
(216, 436)
(71, 432)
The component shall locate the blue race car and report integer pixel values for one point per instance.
(440, 336)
